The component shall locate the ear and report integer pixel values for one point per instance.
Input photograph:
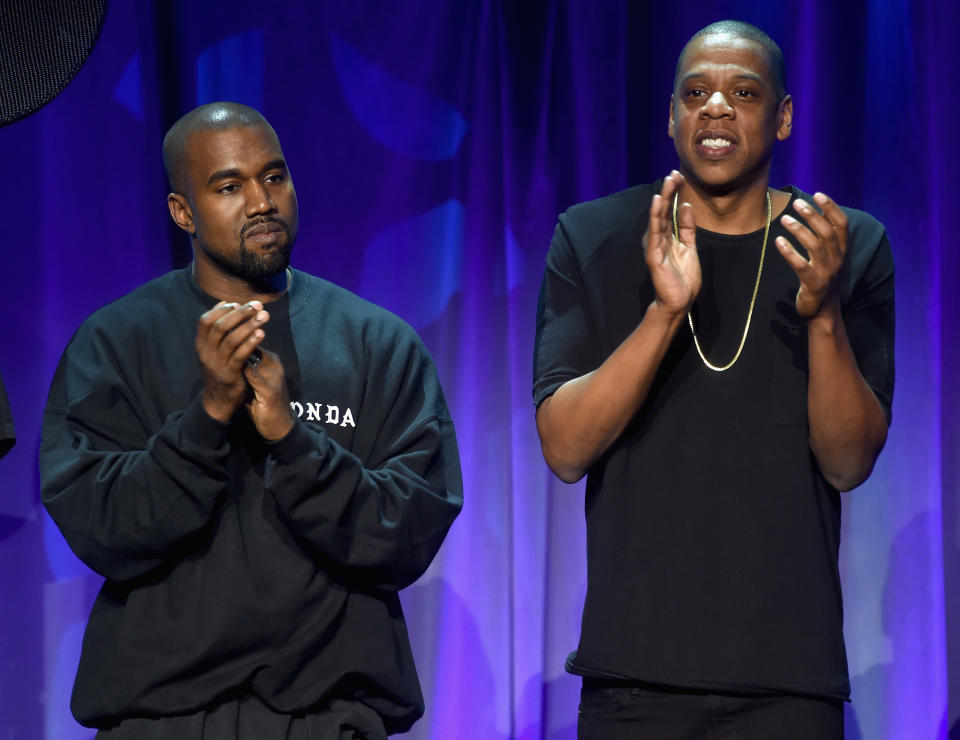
(180, 212)
(785, 118)
(670, 120)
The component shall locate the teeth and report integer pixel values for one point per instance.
(715, 143)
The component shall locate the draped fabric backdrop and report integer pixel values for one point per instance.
(432, 145)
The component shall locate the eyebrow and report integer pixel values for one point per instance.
(741, 76)
(223, 175)
(226, 174)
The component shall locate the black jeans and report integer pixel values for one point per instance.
(611, 710)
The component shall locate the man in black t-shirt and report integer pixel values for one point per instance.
(717, 397)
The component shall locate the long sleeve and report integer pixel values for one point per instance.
(383, 517)
(7, 435)
(127, 489)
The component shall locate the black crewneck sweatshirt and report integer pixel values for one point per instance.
(232, 565)
(8, 436)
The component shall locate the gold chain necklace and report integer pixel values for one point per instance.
(753, 299)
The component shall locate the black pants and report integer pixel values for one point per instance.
(250, 719)
(616, 711)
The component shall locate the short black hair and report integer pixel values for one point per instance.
(743, 30)
(218, 116)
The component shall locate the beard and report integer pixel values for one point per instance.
(252, 264)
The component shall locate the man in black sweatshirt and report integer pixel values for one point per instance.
(256, 461)
(8, 437)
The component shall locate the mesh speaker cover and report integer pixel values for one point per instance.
(43, 44)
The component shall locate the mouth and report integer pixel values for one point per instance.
(716, 144)
(270, 227)
(264, 233)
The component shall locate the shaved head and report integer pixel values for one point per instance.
(743, 30)
(210, 117)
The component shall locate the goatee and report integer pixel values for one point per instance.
(252, 265)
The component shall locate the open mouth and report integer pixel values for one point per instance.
(715, 145)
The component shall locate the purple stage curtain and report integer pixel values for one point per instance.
(432, 145)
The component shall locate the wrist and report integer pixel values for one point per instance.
(216, 410)
(661, 314)
(277, 432)
(827, 320)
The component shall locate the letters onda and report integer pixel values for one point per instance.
(315, 412)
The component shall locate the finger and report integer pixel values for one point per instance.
(653, 238)
(230, 321)
(227, 332)
(796, 260)
(835, 215)
(671, 186)
(812, 243)
(658, 225)
(219, 320)
(268, 371)
(254, 374)
(222, 306)
(209, 317)
(237, 360)
(671, 183)
(664, 199)
(221, 310)
(828, 246)
(271, 359)
(240, 334)
(815, 221)
(687, 225)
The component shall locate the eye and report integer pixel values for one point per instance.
(274, 179)
(229, 189)
(695, 93)
(744, 94)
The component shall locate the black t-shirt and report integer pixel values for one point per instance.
(712, 537)
(7, 436)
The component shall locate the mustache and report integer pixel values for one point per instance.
(264, 220)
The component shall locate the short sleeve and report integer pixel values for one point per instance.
(566, 345)
(869, 317)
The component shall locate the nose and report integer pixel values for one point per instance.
(717, 106)
(259, 200)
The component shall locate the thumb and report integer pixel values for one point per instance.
(261, 365)
(687, 225)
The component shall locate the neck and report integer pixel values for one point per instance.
(226, 287)
(739, 211)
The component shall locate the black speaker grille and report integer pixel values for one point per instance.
(43, 44)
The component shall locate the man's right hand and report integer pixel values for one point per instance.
(579, 422)
(674, 265)
(227, 335)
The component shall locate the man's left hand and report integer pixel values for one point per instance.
(269, 406)
(825, 239)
